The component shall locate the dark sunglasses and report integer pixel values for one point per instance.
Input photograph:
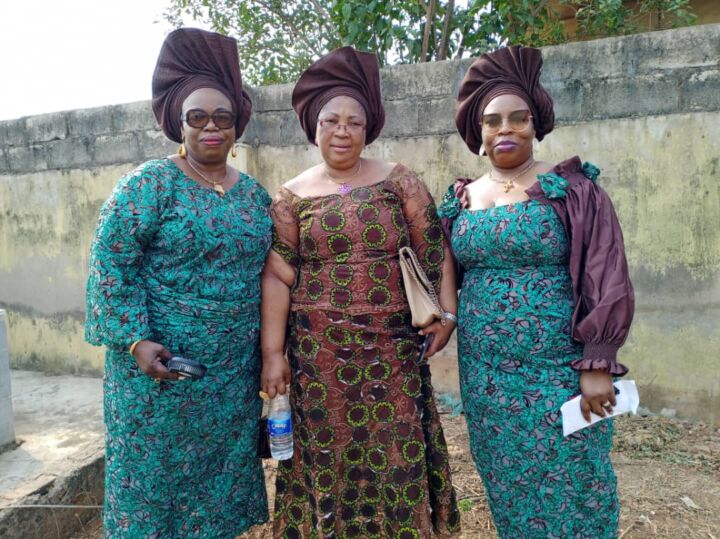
(198, 118)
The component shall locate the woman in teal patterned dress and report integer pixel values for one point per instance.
(175, 270)
(545, 304)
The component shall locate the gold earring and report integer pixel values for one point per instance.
(182, 152)
(233, 152)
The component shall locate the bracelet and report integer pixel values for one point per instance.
(450, 316)
(134, 345)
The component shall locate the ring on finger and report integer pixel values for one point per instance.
(606, 404)
(157, 380)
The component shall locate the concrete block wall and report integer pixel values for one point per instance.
(7, 423)
(645, 108)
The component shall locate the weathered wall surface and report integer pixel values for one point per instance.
(645, 108)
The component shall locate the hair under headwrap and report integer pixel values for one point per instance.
(510, 70)
(189, 59)
(344, 71)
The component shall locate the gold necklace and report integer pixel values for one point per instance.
(343, 187)
(510, 182)
(216, 184)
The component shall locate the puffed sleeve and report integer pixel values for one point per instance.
(286, 232)
(423, 224)
(115, 294)
(603, 291)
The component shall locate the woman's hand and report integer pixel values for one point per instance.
(149, 356)
(598, 393)
(441, 335)
(275, 377)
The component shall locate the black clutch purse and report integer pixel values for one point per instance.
(263, 451)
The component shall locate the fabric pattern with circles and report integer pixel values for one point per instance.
(175, 263)
(370, 457)
(515, 350)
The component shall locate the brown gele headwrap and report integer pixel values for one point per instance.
(190, 59)
(510, 70)
(344, 71)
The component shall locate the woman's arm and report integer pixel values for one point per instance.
(605, 298)
(115, 295)
(430, 245)
(448, 301)
(278, 278)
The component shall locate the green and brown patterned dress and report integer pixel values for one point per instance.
(370, 456)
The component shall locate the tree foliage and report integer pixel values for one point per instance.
(278, 39)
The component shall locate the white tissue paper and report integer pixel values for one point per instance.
(627, 399)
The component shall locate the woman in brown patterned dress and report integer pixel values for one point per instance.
(370, 457)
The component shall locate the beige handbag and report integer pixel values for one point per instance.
(421, 295)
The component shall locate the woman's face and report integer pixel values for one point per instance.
(211, 143)
(340, 132)
(507, 131)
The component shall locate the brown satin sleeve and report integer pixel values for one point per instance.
(605, 300)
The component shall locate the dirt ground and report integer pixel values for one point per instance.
(668, 475)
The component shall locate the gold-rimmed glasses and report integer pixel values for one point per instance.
(517, 120)
(331, 124)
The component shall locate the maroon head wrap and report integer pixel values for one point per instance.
(189, 59)
(510, 70)
(344, 71)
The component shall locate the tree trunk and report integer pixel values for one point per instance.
(429, 15)
(445, 39)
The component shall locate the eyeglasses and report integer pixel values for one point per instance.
(518, 120)
(331, 124)
(198, 118)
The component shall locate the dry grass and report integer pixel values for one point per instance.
(668, 475)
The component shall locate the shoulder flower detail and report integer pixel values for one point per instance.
(553, 185)
(450, 206)
(591, 171)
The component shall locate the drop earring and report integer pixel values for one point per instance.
(482, 151)
(233, 152)
(535, 145)
(182, 152)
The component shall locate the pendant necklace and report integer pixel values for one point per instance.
(509, 183)
(216, 184)
(343, 186)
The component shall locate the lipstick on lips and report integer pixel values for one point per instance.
(505, 146)
(212, 141)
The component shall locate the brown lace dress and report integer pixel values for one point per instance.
(370, 455)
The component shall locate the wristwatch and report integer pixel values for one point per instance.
(448, 316)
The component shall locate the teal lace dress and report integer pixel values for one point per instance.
(515, 350)
(174, 262)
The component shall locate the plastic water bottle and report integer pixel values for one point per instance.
(280, 428)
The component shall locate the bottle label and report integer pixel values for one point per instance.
(278, 426)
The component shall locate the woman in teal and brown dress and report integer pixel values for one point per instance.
(175, 270)
(370, 458)
(545, 304)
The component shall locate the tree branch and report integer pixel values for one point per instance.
(300, 36)
(445, 38)
(429, 15)
(325, 15)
